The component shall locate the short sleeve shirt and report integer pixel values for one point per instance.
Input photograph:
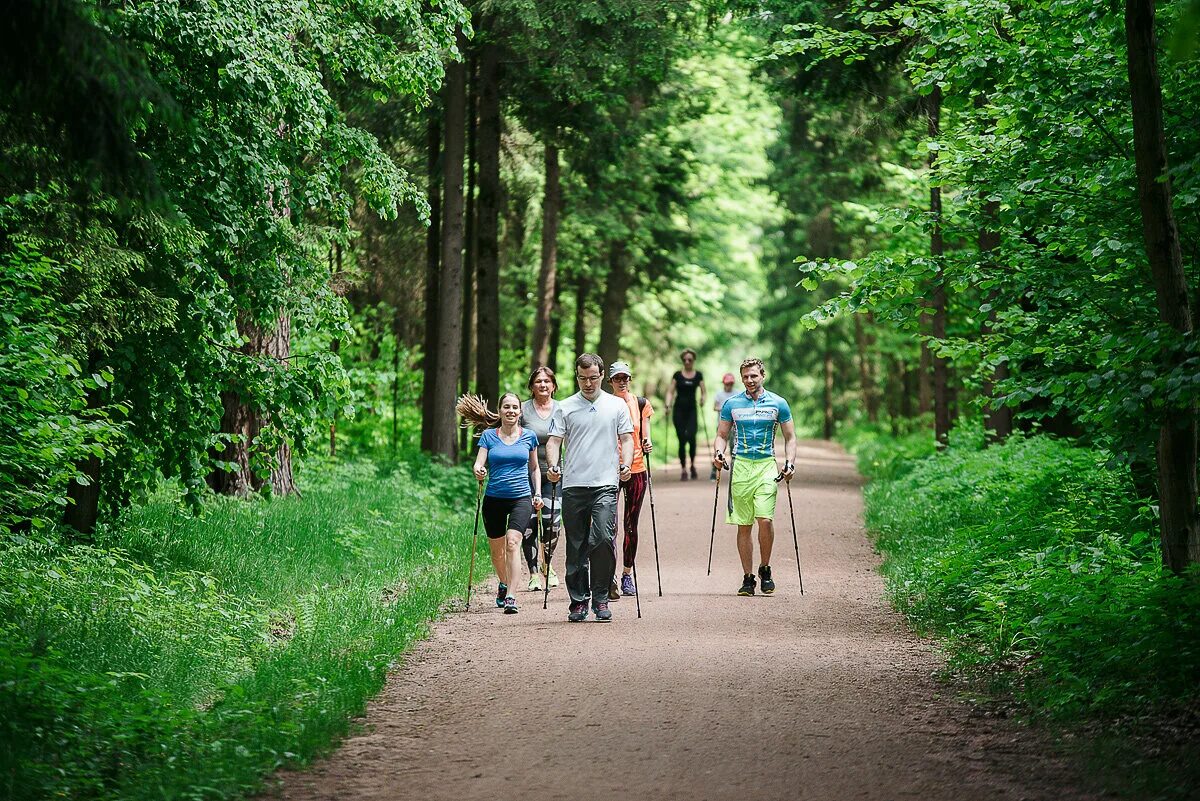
(508, 465)
(720, 398)
(589, 429)
(754, 423)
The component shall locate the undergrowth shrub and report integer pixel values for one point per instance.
(1038, 565)
(185, 657)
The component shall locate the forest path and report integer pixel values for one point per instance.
(708, 696)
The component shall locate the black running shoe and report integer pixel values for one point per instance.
(694, 473)
(764, 573)
(578, 612)
(603, 615)
(747, 585)
(501, 594)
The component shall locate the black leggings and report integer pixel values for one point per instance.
(685, 428)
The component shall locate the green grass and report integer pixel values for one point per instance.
(186, 657)
(1037, 566)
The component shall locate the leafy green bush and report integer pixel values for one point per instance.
(184, 657)
(1037, 564)
(46, 426)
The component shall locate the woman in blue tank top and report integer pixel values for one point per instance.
(508, 459)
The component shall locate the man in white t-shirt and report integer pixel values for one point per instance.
(586, 424)
(718, 401)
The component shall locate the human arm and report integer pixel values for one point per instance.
(647, 413)
(553, 448)
(626, 441)
(703, 393)
(722, 442)
(789, 448)
(670, 399)
(480, 468)
(535, 476)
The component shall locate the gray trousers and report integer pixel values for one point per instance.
(590, 517)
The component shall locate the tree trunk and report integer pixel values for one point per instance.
(277, 344)
(548, 272)
(997, 419)
(866, 375)
(471, 248)
(941, 367)
(1180, 530)
(555, 330)
(451, 286)
(83, 508)
(433, 245)
(616, 293)
(487, 364)
(829, 421)
(582, 290)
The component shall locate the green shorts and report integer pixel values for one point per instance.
(753, 491)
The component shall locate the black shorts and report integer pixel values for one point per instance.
(503, 514)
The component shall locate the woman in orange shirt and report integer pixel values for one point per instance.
(640, 411)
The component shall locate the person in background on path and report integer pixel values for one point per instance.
(535, 416)
(587, 423)
(681, 403)
(508, 453)
(752, 416)
(640, 412)
(724, 394)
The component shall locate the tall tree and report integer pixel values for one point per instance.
(487, 365)
(548, 270)
(451, 282)
(1180, 528)
(433, 279)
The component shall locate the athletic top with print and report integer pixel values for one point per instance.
(754, 423)
(685, 391)
(508, 465)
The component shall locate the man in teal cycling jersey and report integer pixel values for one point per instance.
(752, 416)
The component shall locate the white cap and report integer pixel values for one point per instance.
(619, 368)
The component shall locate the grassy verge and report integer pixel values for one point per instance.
(185, 657)
(1037, 567)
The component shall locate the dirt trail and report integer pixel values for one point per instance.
(708, 696)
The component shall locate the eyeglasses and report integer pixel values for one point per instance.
(586, 379)
(619, 377)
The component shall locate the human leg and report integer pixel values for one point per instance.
(745, 547)
(495, 523)
(635, 494)
(602, 531)
(766, 539)
(577, 517)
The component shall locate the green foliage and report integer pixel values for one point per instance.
(46, 427)
(186, 657)
(1037, 565)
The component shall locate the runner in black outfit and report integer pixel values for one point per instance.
(681, 400)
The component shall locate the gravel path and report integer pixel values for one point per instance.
(708, 696)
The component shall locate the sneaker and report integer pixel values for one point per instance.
(602, 613)
(683, 474)
(614, 594)
(627, 587)
(535, 582)
(501, 594)
(747, 585)
(578, 612)
(553, 578)
(510, 605)
(764, 573)
(693, 472)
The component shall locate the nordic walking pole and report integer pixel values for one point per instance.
(704, 422)
(795, 540)
(550, 544)
(637, 595)
(653, 528)
(713, 534)
(474, 543)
